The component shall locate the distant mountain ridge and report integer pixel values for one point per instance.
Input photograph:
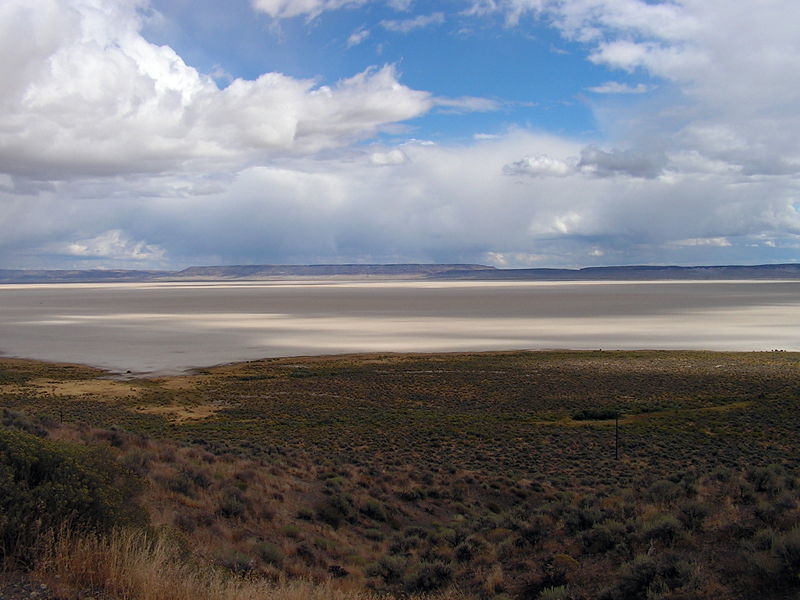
(272, 271)
(452, 272)
(637, 272)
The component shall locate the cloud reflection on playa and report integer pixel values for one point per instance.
(169, 328)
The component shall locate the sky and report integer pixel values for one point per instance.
(159, 134)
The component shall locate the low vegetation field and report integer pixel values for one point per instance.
(513, 475)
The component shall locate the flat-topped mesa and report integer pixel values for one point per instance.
(409, 271)
(633, 273)
(79, 275)
(346, 270)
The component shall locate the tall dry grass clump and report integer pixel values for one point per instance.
(133, 565)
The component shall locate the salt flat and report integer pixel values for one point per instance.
(171, 327)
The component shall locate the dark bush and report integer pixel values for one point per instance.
(388, 568)
(603, 537)
(635, 577)
(269, 553)
(45, 484)
(334, 510)
(595, 414)
(786, 553)
(664, 491)
(374, 510)
(765, 479)
(470, 548)
(16, 420)
(580, 519)
(665, 529)
(236, 562)
(693, 513)
(428, 577)
(650, 577)
(233, 503)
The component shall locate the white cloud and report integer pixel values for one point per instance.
(609, 163)
(719, 242)
(736, 68)
(615, 87)
(416, 202)
(358, 36)
(467, 104)
(401, 5)
(91, 96)
(285, 9)
(113, 149)
(114, 245)
(418, 22)
(539, 166)
(392, 157)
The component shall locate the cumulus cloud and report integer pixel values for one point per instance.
(392, 157)
(115, 150)
(593, 161)
(418, 202)
(608, 163)
(90, 95)
(737, 70)
(114, 245)
(539, 166)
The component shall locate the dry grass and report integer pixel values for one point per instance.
(182, 413)
(105, 388)
(130, 564)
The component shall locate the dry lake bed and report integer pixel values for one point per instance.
(171, 327)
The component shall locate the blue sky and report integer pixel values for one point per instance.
(536, 77)
(168, 133)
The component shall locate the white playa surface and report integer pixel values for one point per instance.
(171, 327)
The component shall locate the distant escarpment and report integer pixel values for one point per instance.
(453, 272)
(410, 271)
(633, 273)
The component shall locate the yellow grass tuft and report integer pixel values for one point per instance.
(134, 565)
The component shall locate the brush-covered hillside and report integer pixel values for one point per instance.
(515, 475)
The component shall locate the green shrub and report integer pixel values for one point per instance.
(693, 514)
(603, 537)
(269, 553)
(786, 553)
(335, 509)
(388, 568)
(16, 420)
(765, 479)
(236, 562)
(46, 484)
(635, 578)
(233, 503)
(664, 491)
(650, 577)
(428, 577)
(470, 548)
(664, 529)
(374, 510)
(595, 414)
